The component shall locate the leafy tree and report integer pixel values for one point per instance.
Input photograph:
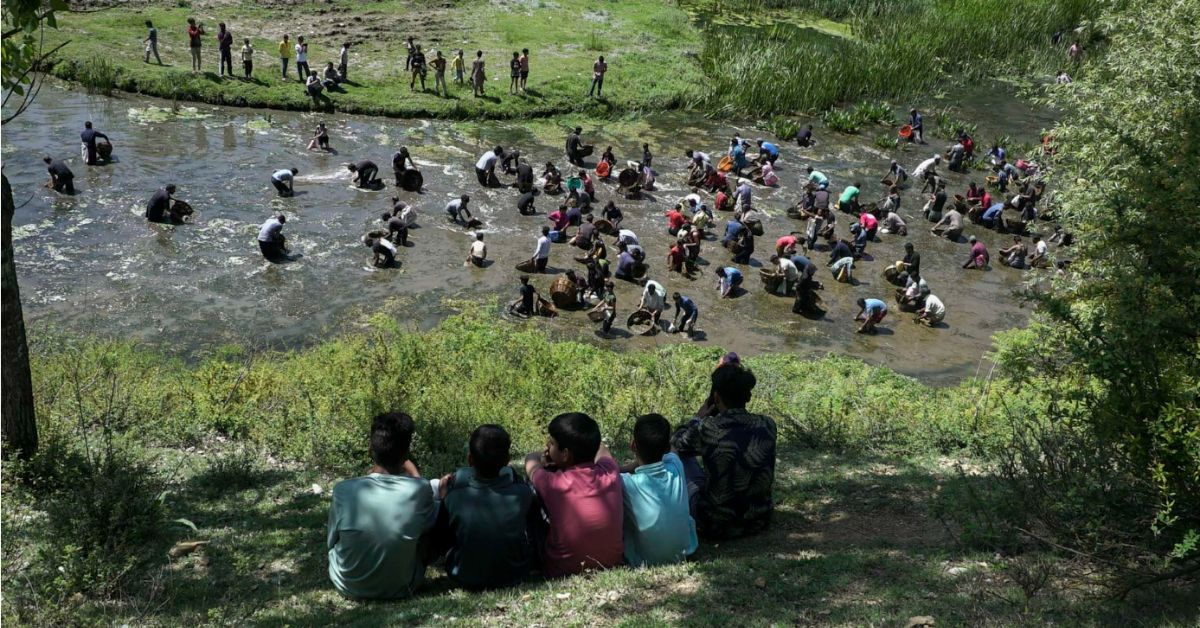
(23, 54)
(1112, 467)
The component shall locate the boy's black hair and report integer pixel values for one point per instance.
(733, 384)
(652, 435)
(578, 433)
(489, 446)
(391, 437)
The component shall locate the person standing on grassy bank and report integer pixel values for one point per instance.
(247, 57)
(598, 70)
(439, 75)
(417, 67)
(151, 42)
(301, 57)
(524, 68)
(344, 61)
(514, 79)
(377, 523)
(478, 78)
(735, 452)
(195, 33)
(225, 49)
(460, 66)
(285, 53)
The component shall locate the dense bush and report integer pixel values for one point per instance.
(1108, 464)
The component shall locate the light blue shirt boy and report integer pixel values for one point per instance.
(658, 528)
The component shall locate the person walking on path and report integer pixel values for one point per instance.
(598, 70)
(151, 42)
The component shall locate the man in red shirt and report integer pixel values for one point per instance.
(786, 245)
(870, 223)
(195, 32)
(675, 220)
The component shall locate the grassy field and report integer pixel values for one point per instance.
(855, 543)
(138, 448)
(649, 44)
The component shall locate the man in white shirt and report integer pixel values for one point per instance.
(791, 274)
(271, 240)
(301, 58)
(478, 251)
(628, 237)
(457, 208)
(541, 254)
(485, 168)
(1038, 259)
(654, 299)
(283, 181)
(933, 312)
(926, 168)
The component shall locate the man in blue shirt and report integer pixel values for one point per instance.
(872, 312)
(732, 228)
(731, 278)
(658, 528)
(992, 216)
(918, 126)
(686, 307)
(768, 151)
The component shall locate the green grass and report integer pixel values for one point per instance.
(891, 53)
(649, 45)
(867, 465)
(853, 543)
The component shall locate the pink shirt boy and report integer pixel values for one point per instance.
(586, 514)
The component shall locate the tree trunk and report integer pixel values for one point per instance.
(18, 429)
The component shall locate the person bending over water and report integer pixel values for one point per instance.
(61, 178)
(364, 173)
(271, 241)
(284, 180)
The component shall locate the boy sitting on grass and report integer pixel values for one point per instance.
(580, 488)
(658, 528)
(377, 523)
(484, 515)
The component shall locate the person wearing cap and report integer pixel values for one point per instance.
(980, 257)
(872, 312)
(270, 238)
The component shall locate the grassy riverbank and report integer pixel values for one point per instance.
(734, 56)
(139, 448)
(649, 44)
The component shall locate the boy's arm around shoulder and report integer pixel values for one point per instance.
(687, 440)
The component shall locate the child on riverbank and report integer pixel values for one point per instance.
(485, 507)
(580, 487)
(658, 528)
(459, 67)
(247, 57)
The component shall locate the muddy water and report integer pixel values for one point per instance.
(91, 262)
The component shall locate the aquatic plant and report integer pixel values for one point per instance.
(784, 128)
(886, 141)
(872, 112)
(841, 121)
(947, 126)
(892, 55)
(97, 75)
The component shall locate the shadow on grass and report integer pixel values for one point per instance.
(851, 543)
